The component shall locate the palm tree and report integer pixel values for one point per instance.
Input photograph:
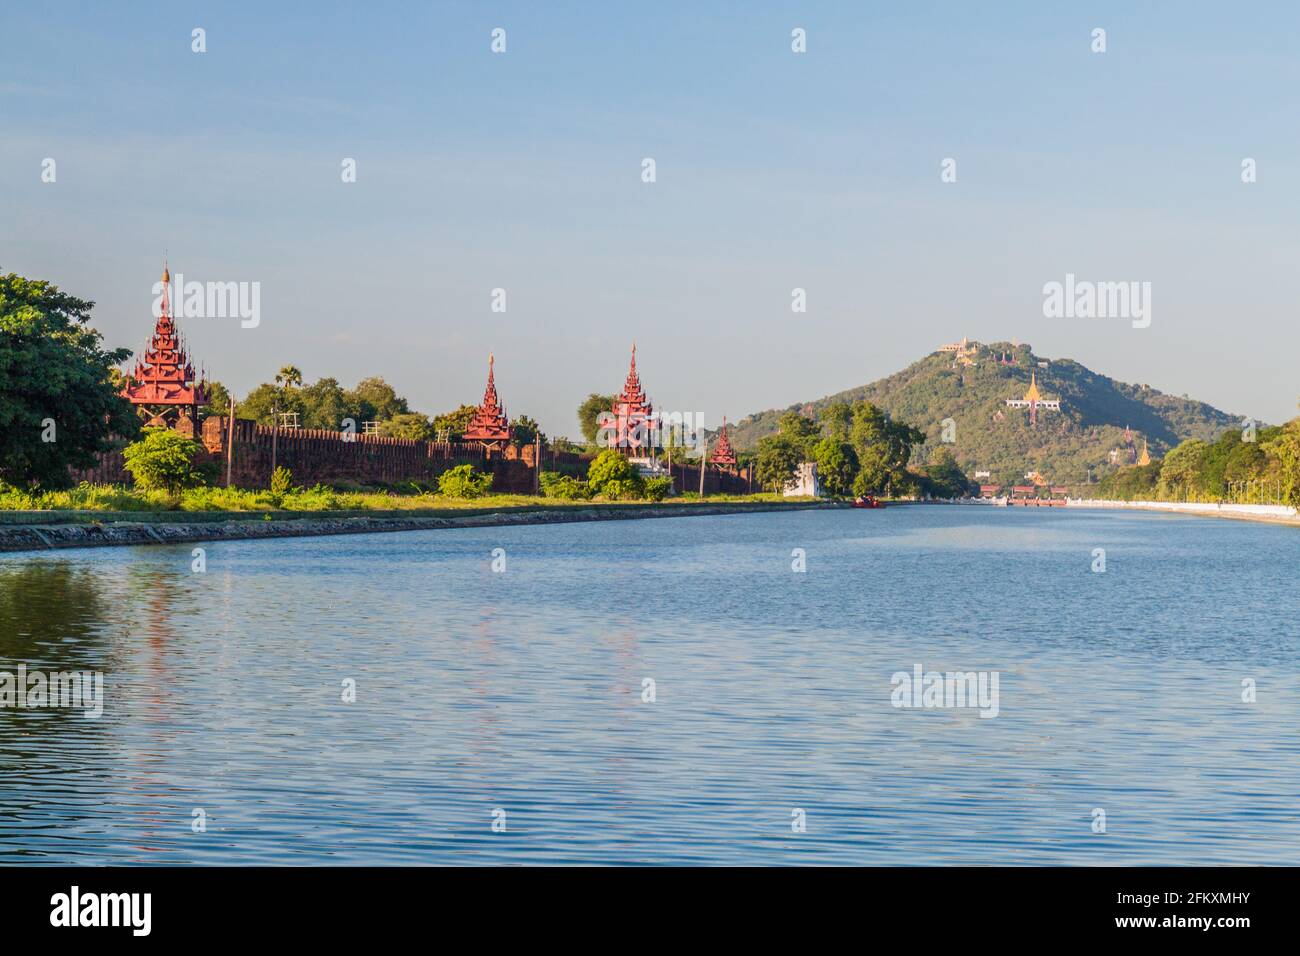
(288, 377)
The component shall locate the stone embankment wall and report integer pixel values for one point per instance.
(1225, 510)
(183, 528)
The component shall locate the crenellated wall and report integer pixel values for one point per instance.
(330, 457)
(326, 457)
(314, 455)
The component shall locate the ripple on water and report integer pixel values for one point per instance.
(522, 692)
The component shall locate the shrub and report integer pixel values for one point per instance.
(320, 498)
(464, 482)
(281, 485)
(162, 461)
(564, 487)
(657, 489)
(619, 489)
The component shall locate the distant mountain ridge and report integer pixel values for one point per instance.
(969, 382)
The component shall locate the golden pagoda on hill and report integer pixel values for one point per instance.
(1034, 400)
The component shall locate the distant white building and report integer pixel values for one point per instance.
(805, 483)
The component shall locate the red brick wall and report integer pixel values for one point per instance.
(315, 455)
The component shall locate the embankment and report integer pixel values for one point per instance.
(41, 531)
(1282, 514)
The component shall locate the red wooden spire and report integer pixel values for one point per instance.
(722, 453)
(633, 413)
(489, 424)
(163, 384)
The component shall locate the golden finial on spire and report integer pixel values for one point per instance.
(1033, 394)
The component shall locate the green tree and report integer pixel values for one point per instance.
(874, 477)
(801, 431)
(778, 461)
(376, 400)
(58, 404)
(324, 404)
(525, 429)
(589, 414)
(1284, 448)
(262, 402)
(837, 421)
(288, 378)
(837, 466)
(411, 425)
(162, 460)
(944, 477)
(884, 449)
(453, 424)
(1134, 483)
(1183, 471)
(610, 466)
(218, 399)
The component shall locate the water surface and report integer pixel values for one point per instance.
(521, 691)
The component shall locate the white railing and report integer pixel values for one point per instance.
(1191, 507)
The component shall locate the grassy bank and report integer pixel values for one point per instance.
(119, 500)
(44, 530)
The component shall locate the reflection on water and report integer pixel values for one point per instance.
(522, 691)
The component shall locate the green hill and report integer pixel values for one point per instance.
(990, 437)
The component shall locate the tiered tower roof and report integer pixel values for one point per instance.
(165, 375)
(632, 410)
(489, 424)
(722, 453)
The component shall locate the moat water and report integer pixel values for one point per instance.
(519, 697)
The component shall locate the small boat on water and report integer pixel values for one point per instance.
(867, 501)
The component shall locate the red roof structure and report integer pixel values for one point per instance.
(633, 413)
(722, 453)
(489, 424)
(162, 386)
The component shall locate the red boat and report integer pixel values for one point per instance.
(868, 501)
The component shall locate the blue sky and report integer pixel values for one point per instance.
(775, 171)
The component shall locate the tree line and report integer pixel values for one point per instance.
(859, 450)
(326, 404)
(1244, 465)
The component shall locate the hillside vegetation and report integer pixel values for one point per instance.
(1064, 445)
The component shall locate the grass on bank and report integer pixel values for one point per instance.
(88, 497)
